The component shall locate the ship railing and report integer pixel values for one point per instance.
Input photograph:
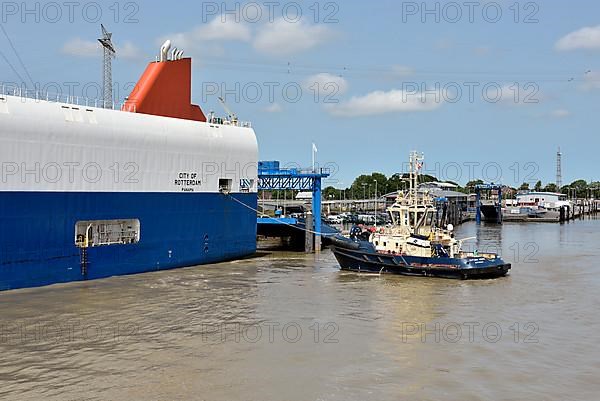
(316, 170)
(16, 91)
(242, 124)
(233, 123)
(295, 171)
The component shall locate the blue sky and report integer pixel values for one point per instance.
(391, 77)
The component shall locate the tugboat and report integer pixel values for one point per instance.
(417, 243)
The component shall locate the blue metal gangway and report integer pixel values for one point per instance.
(271, 177)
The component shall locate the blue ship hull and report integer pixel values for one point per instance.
(37, 234)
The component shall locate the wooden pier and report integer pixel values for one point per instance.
(584, 207)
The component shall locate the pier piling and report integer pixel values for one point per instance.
(310, 237)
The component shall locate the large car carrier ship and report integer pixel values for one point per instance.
(89, 193)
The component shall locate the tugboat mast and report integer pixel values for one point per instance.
(416, 164)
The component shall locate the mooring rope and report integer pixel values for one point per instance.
(273, 218)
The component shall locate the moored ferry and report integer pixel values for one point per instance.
(89, 192)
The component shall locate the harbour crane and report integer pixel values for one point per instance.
(231, 115)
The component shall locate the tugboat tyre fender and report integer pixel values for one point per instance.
(344, 243)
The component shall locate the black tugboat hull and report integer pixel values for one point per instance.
(362, 258)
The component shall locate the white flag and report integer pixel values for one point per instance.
(315, 148)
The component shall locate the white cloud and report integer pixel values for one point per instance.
(380, 102)
(273, 108)
(216, 30)
(228, 30)
(328, 84)
(203, 40)
(129, 51)
(78, 47)
(278, 37)
(587, 38)
(284, 38)
(402, 71)
(560, 113)
(591, 81)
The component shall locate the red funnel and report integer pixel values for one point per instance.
(165, 89)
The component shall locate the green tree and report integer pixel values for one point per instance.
(577, 188)
(538, 186)
(551, 188)
(425, 178)
(397, 182)
(381, 184)
(595, 189)
(524, 187)
(472, 184)
(331, 193)
(364, 185)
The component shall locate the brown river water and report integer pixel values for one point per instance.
(287, 326)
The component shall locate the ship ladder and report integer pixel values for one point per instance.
(84, 253)
(84, 262)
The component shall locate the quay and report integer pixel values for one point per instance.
(298, 222)
(529, 206)
(295, 233)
